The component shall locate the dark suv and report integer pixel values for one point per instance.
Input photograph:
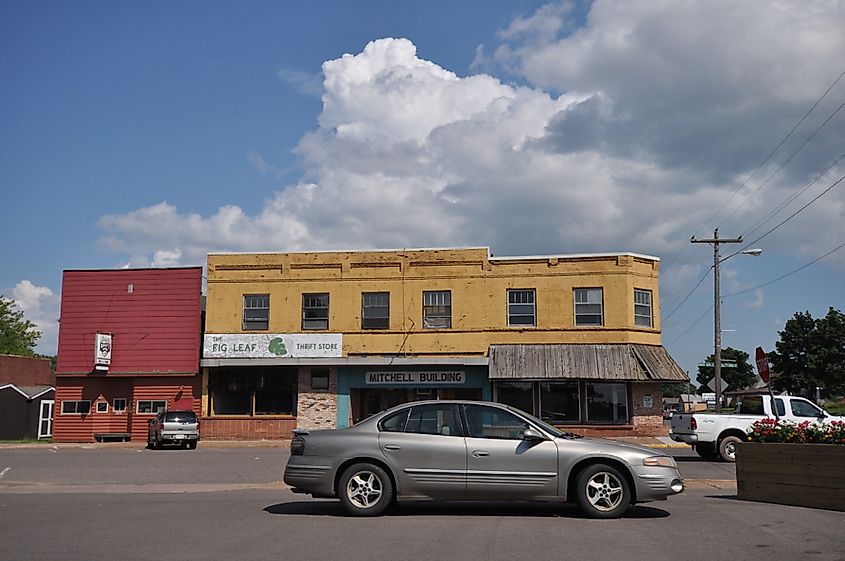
(174, 427)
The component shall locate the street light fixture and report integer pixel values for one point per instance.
(717, 312)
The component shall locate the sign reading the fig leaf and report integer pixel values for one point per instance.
(272, 345)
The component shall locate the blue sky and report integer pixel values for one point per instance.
(150, 134)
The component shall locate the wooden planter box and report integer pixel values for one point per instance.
(810, 475)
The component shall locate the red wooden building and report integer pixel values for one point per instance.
(149, 322)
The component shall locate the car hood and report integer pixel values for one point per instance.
(602, 444)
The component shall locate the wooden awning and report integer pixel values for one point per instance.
(629, 362)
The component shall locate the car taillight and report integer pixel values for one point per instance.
(297, 445)
(692, 423)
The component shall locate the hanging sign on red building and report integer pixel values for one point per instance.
(102, 351)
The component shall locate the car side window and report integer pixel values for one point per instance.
(492, 422)
(395, 422)
(442, 419)
(802, 408)
(779, 407)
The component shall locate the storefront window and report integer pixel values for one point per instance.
(516, 394)
(607, 402)
(560, 402)
(254, 391)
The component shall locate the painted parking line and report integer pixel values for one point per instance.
(2, 473)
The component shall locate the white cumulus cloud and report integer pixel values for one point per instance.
(633, 129)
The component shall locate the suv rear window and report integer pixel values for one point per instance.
(752, 405)
(180, 417)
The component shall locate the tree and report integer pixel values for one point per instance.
(810, 354)
(18, 335)
(739, 377)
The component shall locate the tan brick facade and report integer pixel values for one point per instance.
(647, 421)
(316, 408)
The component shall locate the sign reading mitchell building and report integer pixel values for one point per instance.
(272, 345)
(453, 377)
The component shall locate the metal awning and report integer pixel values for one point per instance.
(629, 362)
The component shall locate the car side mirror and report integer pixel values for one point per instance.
(532, 435)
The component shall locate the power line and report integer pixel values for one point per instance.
(837, 248)
(764, 162)
(783, 164)
(776, 148)
(791, 216)
(784, 204)
(696, 322)
(681, 303)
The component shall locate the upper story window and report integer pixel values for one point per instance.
(437, 309)
(375, 310)
(521, 308)
(642, 308)
(256, 311)
(589, 307)
(315, 311)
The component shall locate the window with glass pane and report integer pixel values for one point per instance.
(275, 391)
(804, 409)
(560, 402)
(607, 402)
(490, 422)
(588, 306)
(437, 309)
(375, 310)
(395, 422)
(256, 311)
(516, 394)
(439, 418)
(642, 308)
(315, 311)
(521, 310)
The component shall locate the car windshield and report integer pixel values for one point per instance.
(547, 427)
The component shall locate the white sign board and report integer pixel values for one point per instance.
(648, 401)
(102, 351)
(273, 345)
(407, 378)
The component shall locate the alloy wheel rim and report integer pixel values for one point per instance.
(364, 489)
(730, 449)
(604, 491)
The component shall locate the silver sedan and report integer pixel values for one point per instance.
(471, 450)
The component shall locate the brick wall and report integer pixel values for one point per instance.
(215, 428)
(647, 421)
(316, 408)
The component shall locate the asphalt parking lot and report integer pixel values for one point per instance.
(219, 503)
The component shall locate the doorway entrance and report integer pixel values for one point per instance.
(45, 419)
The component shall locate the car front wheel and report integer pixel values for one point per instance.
(603, 492)
(365, 490)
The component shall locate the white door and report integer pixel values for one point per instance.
(45, 422)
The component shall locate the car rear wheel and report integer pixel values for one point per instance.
(192, 444)
(602, 491)
(365, 490)
(727, 448)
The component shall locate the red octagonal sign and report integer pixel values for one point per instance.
(762, 364)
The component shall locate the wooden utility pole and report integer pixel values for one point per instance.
(717, 320)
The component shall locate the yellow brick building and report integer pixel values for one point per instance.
(322, 339)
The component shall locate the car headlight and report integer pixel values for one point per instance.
(662, 461)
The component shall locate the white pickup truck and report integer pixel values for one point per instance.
(715, 436)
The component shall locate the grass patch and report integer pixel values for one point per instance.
(28, 441)
(836, 408)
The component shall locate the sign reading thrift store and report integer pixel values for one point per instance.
(273, 345)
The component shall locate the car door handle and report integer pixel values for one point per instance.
(480, 453)
(392, 447)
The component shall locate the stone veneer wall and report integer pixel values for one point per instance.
(648, 421)
(316, 409)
